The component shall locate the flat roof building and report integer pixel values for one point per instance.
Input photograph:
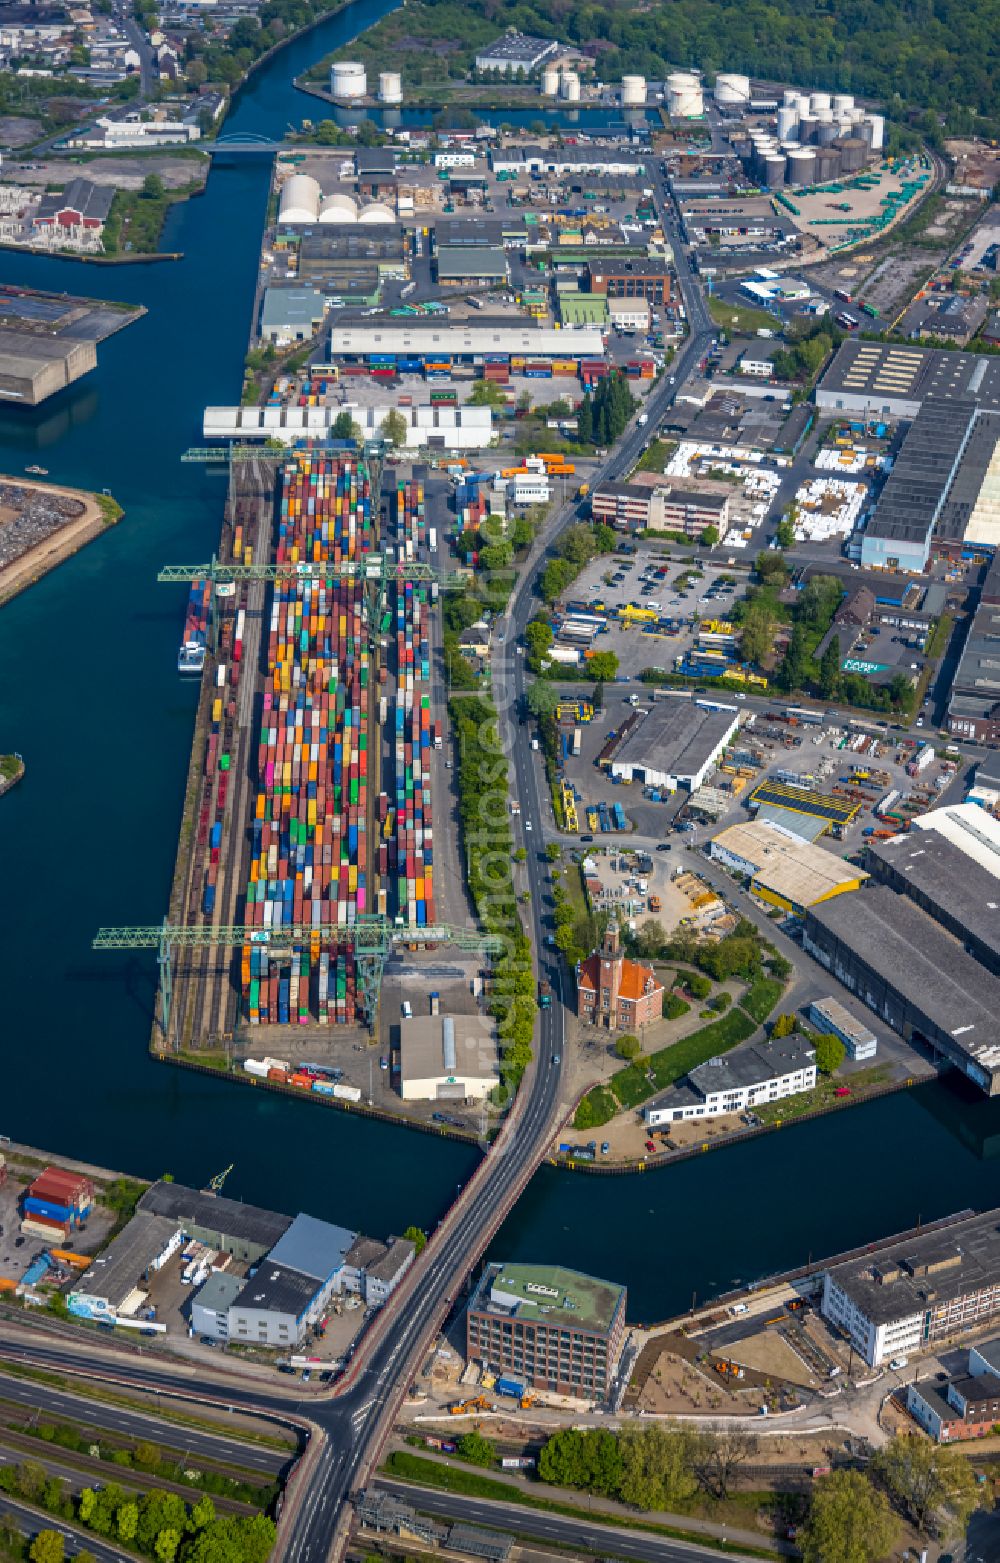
(891, 381)
(247, 1232)
(898, 537)
(435, 339)
(291, 314)
(748, 1077)
(974, 702)
(674, 743)
(34, 367)
(113, 1283)
(922, 1290)
(552, 1328)
(949, 865)
(782, 869)
(689, 508)
(464, 264)
(211, 1304)
(829, 1015)
(515, 53)
(447, 1058)
(916, 976)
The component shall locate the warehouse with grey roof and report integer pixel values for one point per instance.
(672, 744)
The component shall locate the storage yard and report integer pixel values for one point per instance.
(40, 526)
(309, 799)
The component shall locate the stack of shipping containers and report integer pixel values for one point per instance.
(56, 1204)
(309, 862)
(413, 840)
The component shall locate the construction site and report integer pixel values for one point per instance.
(306, 853)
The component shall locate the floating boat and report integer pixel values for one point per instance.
(191, 656)
(41, 472)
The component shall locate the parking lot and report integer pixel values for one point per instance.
(668, 597)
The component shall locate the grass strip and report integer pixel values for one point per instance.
(470, 1484)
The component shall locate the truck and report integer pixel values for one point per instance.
(437, 735)
(544, 994)
(642, 419)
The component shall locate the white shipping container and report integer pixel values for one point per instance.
(347, 1093)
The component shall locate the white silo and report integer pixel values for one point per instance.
(790, 97)
(805, 105)
(818, 101)
(633, 91)
(390, 87)
(550, 82)
(348, 79)
(788, 119)
(569, 87)
(843, 102)
(300, 198)
(878, 132)
(684, 96)
(731, 90)
(339, 208)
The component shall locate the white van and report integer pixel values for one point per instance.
(739, 1308)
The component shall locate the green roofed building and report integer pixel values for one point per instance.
(550, 1328)
(583, 309)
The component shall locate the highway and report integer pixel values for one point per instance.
(535, 1524)
(29, 1521)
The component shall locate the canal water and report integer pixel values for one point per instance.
(91, 698)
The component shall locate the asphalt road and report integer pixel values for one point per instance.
(29, 1522)
(602, 1540)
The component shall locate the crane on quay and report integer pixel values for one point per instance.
(371, 936)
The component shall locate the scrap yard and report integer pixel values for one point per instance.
(307, 848)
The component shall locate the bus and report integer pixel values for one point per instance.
(870, 309)
(842, 294)
(849, 322)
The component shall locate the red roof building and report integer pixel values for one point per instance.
(614, 992)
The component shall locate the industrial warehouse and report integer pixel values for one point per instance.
(672, 744)
(254, 1276)
(782, 869)
(891, 380)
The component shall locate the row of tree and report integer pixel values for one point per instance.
(602, 416)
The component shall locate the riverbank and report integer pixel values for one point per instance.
(98, 512)
(11, 772)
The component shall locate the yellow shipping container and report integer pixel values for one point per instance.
(216, 710)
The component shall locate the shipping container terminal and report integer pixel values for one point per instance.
(309, 793)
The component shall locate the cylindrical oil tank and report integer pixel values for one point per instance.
(802, 167)
(864, 131)
(826, 133)
(878, 132)
(818, 101)
(825, 116)
(569, 87)
(774, 171)
(808, 126)
(550, 82)
(732, 91)
(390, 87)
(633, 91)
(339, 208)
(684, 96)
(843, 102)
(788, 120)
(300, 198)
(790, 146)
(805, 105)
(856, 115)
(348, 79)
(852, 154)
(827, 165)
(790, 98)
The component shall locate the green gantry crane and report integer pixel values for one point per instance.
(370, 935)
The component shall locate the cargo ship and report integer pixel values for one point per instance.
(191, 656)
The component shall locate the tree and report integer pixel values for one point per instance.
(720, 1456)
(829, 669)
(557, 575)
(417, 1237)
(784, 1026)
(521, 855)
(153, 187)
(577, 544)
(658, 1466)
(628, 1046)
(542, 699)
(586, 1458)
(934, 1483)
(202, 1514)
(147, 1456)
(47, 1547)
(553, 851)
(850, 1521)
(127, 1521)
(345, 428)
(394, 427)
(165, 1546)
(196, 73)
(757, 635)
(476, 1449)
(604, 665)
(785, 534)
(830, 1052)
(709, 537)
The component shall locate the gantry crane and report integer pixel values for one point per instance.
(370, 935)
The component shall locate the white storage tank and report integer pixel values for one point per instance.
(732, 91)
(634, 91)
(300, 198)
(878, 131)
(339, 208)
(790, 98)
(569, 87)
(684, 96)
(805, 104)
(348, 79)
(788, 120)
(818, 101)
(390, 87)
(550, 82)
(843, 102)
